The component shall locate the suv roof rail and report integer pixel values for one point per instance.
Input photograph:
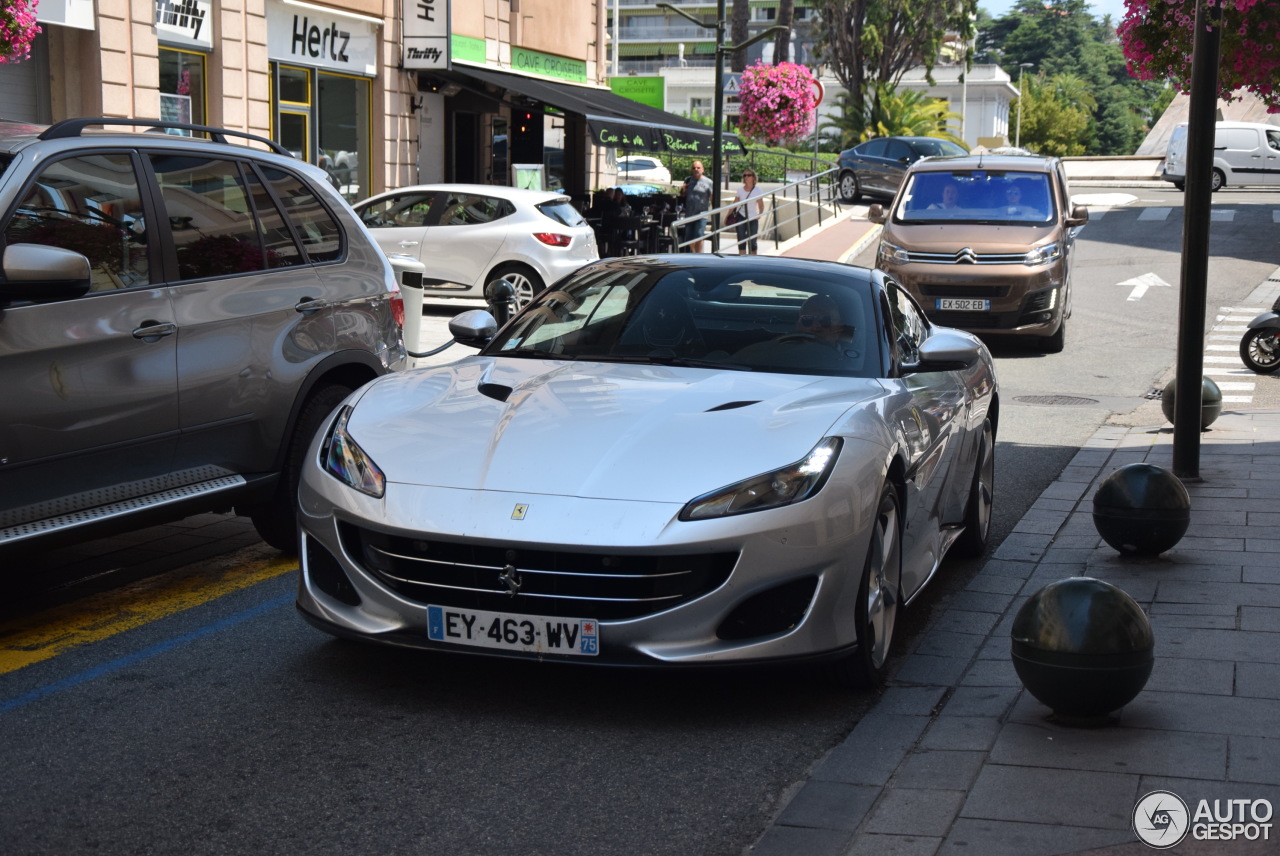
(73, 128)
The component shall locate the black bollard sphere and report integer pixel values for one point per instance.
(1082, 647)
(1210, 401)
(1141, 510)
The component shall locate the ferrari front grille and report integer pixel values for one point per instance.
(570, 583)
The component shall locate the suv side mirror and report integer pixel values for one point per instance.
(876, 214)
(1079, 216)
(474, 328)
(41, 272)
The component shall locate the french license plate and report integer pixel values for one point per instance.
(963, 304)
(507, 631)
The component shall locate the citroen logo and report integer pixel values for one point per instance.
(510, 578)
(967, 255)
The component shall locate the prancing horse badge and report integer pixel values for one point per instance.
(520, 511)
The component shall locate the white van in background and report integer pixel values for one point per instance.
(1243, 153)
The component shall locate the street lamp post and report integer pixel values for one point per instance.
(717, 132)
(1017, 139)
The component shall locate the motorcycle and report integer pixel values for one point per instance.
(1260, 347)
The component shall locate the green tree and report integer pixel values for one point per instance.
(892, 112)
(1052, 123)
(870, 42)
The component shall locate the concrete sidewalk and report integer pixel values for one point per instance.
(957, 758)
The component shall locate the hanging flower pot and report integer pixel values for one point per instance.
(777, 102)
(18, 29)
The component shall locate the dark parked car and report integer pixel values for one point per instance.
(876, 167)
(178, 315)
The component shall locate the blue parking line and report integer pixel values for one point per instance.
(144, 654)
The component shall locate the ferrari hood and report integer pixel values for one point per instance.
(595, 430)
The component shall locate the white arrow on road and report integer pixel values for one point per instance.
(1142, 283)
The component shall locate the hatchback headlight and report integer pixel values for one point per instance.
(1043, 255)
(347, 462)
(792, 483)
(894, 254)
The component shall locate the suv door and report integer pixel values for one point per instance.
(252, 316)
(89, 382)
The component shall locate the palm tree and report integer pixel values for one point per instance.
(893, 113)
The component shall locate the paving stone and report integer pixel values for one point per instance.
(976, 601)
(1264, 618)
(965, 621)
(910, 701)
(1051, 796)
(1174, 674)
(961, 732)
(947, 643)
(873, 750)
(980, 701)
(991, 673)
(939, 768)
(932, 671)
(1204, 714)
(994, 583)
(1111, 749)
(830, 805)
(1258, 680)
(915, 811)
(1238, 645)
(790, 840)
(894, 845)
(995, 838)
(1255, 759)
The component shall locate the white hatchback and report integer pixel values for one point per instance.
(468, 236)
(643, 168)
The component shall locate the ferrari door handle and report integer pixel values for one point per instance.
(408, 243)
(311, 304)
(154, 331)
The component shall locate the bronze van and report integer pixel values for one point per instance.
(984, 243)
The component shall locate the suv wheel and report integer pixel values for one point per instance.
(277, 520)
(849, 190)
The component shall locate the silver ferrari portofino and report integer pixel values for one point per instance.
(665, 460)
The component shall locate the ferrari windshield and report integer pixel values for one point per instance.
(976, 196)
(763, 317)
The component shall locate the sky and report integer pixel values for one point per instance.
(1114, 8)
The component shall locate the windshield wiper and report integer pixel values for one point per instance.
(665, 360)
(533, 354)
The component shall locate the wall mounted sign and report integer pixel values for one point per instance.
(185, 23)
(426, 34)
(303, 34)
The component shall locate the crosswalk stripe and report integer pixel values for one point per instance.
(1155, 214)
(1222, 215)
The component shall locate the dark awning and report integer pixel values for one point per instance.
(613, 120)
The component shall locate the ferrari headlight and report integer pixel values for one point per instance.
(893, 254)
(1042, 255)
(348, 463)
(792, 483)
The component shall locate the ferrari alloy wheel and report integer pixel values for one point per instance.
(1260, 350)
(972, 543)
(879, 595)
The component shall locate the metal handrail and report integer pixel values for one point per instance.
(820, 190)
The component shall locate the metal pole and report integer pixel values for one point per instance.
(1203, 103)
(1017, 140)
(613, 43)
(717, 136)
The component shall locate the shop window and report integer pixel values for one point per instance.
(324, 118)
(90, 205)
(182, 87)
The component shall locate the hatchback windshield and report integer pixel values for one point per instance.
(745, 320)
(976, 196)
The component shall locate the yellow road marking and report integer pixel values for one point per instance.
(38, 637)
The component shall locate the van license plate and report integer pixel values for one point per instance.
(963, 304)
(533, 634)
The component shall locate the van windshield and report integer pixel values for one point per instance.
(976, 196)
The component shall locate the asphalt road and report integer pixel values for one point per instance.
(224, 724)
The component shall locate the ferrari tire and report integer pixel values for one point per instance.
(879, 595)
(277, 520)
(972, 543)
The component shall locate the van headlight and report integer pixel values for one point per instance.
(893, 254)
(343, 459)
(1043, 255)
(792, 483)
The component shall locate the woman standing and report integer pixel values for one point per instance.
(748, 211)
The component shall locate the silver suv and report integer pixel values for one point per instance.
(177, 316)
